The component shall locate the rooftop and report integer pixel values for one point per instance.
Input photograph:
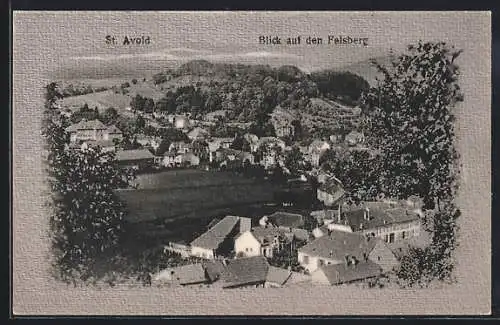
(86, 125)
(277, 275)
(342, 273)
(338, 244)
(378, 217)
(214, 236)
(263, 234)
(243, 271)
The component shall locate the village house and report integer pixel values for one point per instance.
(218, 143)
(231, 157)
(93, 130)
(260, 241)
(338, 246)
(215, 116)
(245, 272)
(197, 133)
(316, 150)
(276, 277)
(179, 121)
(271, 142)
(282, 121)
(391, 222)
(348, 272)
(354, 138)
(330, 192)
(218, 240)
(137, 158)
(169, 159)
(253, 140)
(180, 147)
(187, 159)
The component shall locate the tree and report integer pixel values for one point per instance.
(52, 94)
(87, 217)
(411, 125)
(411, 122)
(109, 116)
(140, 123)
(294, 160)
(149, 105)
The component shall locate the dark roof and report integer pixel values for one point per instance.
(266, 233)
(338, 244)
(378, 217)
(285, 219)
(243, 271)
(277, 275)
(214, 236)
(87, 125)
(135, 154)
(343, 273)
(214, 269)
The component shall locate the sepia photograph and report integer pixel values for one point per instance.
(251, 163)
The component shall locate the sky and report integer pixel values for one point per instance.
(177, 37)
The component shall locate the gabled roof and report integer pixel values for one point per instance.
(245, 271)
(339, 244)
(277, 275)
(343, 273)
(214, 236)
(213, 269)
(86, 125)
(135, 154)
(266, 234)
(378, 217)
(185, 274)
(286, 219)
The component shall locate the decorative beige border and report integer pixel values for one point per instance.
(41, 38)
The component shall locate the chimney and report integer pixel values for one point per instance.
(366, 214)
(245, 224)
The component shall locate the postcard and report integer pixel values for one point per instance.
(251, 163)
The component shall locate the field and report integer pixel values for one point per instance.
(179, 204)
(109, 98)
(192, 193)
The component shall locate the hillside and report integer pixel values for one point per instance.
(366, 69)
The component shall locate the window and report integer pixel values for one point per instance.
(403, 234)
(391, 237)
(305, 259)
(321, 262)
(386, 238)
(246, 249)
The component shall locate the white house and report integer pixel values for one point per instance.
(209, 245)
(260, 241)
(337, 246)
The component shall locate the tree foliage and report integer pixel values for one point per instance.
(411, 124)
(87, 217)
(411, 121)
